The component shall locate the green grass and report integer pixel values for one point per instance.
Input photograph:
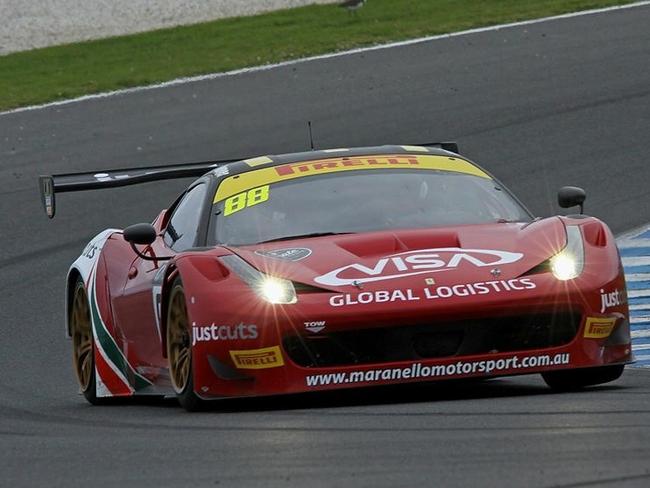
(61, 72)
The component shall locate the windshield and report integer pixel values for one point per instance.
(360, 201)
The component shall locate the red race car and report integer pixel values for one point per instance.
(341, 268)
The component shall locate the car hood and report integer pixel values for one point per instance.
(390, 259)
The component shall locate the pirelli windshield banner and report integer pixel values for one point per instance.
(263, 177)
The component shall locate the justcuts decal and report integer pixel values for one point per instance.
(610, 299)
(413, 263)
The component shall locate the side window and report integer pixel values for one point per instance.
(184, 224)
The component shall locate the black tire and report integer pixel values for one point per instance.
(83, 345)
(575, 379)
(179, 349)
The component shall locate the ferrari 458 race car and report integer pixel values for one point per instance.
(335, 269)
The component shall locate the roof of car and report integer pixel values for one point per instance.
(250, 164)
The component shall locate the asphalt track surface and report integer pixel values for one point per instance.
(561, 102)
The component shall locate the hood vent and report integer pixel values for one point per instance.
(386, 243)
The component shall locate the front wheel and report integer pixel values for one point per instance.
(179, 349)
(83, 348)
(574, 379)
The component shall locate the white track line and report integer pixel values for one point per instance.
(640, 320)
(635, 243)
(637, 277)
(212, 76)
(635, 261)
(638, 293)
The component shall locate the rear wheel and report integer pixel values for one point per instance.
(83, 349)
(575, 379)
(179, 349)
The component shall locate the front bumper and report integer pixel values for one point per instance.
(280, 359)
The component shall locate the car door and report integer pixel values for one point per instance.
(134, 309)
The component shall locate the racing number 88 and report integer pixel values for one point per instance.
(246, 199)
(258, 195)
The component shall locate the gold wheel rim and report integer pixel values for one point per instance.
(82, 338)
(178, 341)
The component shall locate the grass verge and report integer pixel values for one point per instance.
(61, 72)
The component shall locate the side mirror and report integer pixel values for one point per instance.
(570, 196)
(143, 234)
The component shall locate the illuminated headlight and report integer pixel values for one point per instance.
(273, 290)
(564, 267)
(277, 290)
(568, 263)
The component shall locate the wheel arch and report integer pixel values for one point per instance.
(201, 276)
(83, 267)
(191, 270)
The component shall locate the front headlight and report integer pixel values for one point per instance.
(569, 262)
(272, 289)
(277, 290)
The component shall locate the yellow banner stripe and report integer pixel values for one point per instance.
(264, 176)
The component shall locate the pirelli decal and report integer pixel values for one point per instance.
(599, 328)
(268, 357)
(236, 184)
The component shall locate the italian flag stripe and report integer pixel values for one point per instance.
(116, 384)
(112, 354)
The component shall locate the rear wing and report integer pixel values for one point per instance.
(112, 178)
(51, 185)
